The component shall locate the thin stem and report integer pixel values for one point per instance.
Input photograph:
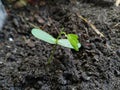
(54, 47)
(52, 53)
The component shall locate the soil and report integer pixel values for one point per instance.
(23, 58)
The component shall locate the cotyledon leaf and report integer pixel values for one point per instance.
(66, 43)
(42, 35)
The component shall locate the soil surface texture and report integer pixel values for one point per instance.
(23, 58)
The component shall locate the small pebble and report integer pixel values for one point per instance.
(62, 81)
(11, 39)
(1, 62)
(85, 77)
(118, 52)
(117, 73)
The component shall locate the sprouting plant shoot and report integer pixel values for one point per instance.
(71, 40)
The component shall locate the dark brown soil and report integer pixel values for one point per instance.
(23, 58)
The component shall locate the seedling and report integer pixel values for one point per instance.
(71, 40)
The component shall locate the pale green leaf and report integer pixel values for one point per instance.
(66, 43)
(42, 35)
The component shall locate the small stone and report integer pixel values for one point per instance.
(96, 57)
(11, 39)
(118, 52)
(85, 77)
(62, 81)
(45, 87)
(117, 73)
(1, 62)
(16, 22)
(30, 43)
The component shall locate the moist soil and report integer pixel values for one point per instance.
(23, 58)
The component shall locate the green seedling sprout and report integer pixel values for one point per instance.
(71, 40)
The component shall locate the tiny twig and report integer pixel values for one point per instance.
(52, 53)
(117, 24)
(54, 47)
(92, 26)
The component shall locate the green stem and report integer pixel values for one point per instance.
(54, 47)
(52, 53)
